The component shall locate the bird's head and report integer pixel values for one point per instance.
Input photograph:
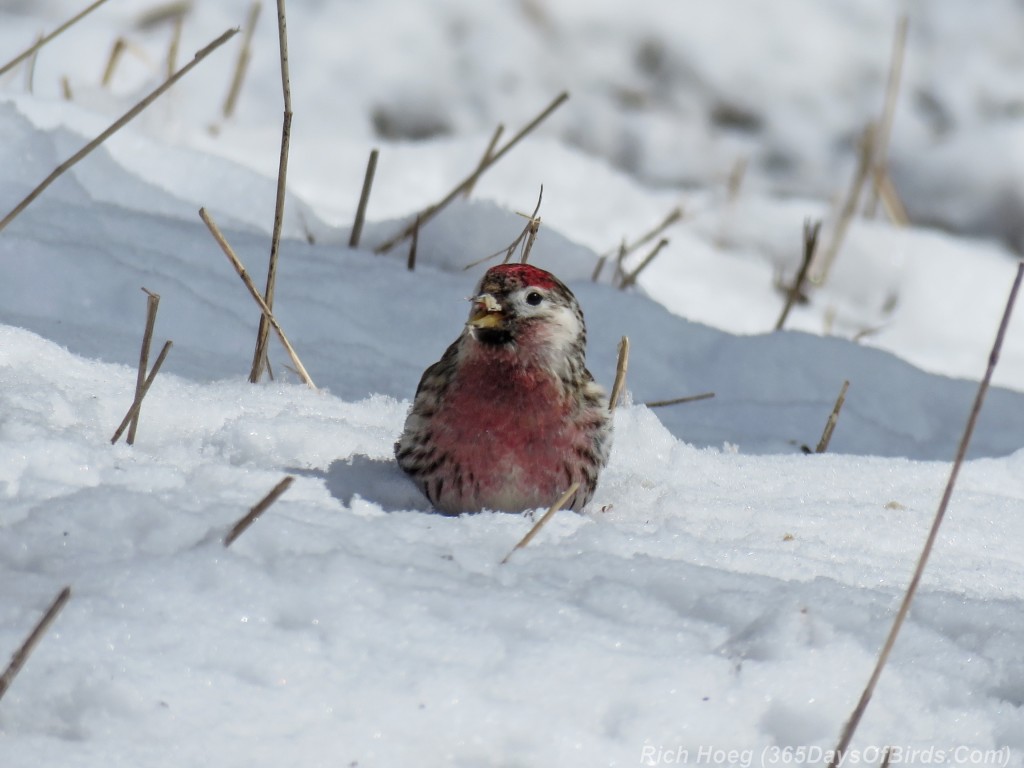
(526, 308)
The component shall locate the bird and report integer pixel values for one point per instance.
(510, 417)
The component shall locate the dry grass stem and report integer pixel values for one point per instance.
(830, 425)
(31, 50)
(25, 650)
(152, 305)
(65, 89)
(257, 297)
(881, 149)
(680, 400)
(30, 70)
(243, 524)
(795, 291)
(598, 268)
(630, 279)
(431, 211)
(259, 357)
(413, 245)
(858, 712)
(115, 126)
(543, 520)
(528, 234)
(116, 52)
(364, 198)
(620, 257)
(175, 44)
(242, 64)
(735, 180)
(133, 412)
(620, 374)
(891, 202)
(488, 153)
(849, 206)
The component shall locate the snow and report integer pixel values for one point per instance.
(723, 591)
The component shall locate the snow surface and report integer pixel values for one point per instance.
(723, 591)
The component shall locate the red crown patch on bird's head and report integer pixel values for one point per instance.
(525, 274)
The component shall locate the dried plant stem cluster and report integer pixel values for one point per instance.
(431, 211)
(872, 166)
(268, 313)
(145, 377)
(621, 277)
(43, 40)
(524, 238)
(114, 127)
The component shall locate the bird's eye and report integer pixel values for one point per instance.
(534, 298)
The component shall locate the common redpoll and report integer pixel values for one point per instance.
(510, 417)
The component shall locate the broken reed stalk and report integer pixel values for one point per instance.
(255, 293)
(543, 521)
(115, 126)
(243, 524)
(116, 52)
(529, 233)
(620, 374)
(431, 211)
(680, 400)
(883, 656)
(133, 412)
(495, 137)
(242, 65)
(25, 650)
(630, 279)
(259, 357)
(31, 50)
(881, 150)
(811, 232)
(152, 305)
(532, 228)
(830, 425)
(849, 206)
(364, 198)
(411, 262)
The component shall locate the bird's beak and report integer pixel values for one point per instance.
(486, 312)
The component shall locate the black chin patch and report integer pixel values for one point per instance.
(493, 337)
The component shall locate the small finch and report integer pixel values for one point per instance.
(510, 417)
